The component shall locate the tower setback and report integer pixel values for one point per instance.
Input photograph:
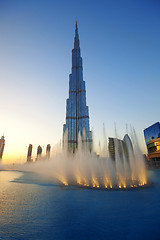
(77, 112)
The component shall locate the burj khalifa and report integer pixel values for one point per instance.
(77, 112)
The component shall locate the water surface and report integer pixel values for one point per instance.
(32, 207)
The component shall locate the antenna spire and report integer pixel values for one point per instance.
(76, 39)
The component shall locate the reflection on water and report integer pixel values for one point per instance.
(17, 204)
(36, 208)
(7, 191)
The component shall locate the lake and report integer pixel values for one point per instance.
(33, 207)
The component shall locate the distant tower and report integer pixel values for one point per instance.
(48, 149)
(2, 144)
(123, 146)
(29, 154)
(39, 152)
(77, 113)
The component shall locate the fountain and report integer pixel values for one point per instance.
(86, 169)
(122, 169)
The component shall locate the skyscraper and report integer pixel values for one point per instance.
(29, 154)
(48, 150)
(2, 144)
(77, 112)
(39, 152)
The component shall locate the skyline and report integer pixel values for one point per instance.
(120, 48)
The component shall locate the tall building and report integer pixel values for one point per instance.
(29, 154)
(152, 138)
(2, 144)
(123, 146)
(39, 152)
(77, 112)
(48, 150)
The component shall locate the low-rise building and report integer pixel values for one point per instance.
(152, 139)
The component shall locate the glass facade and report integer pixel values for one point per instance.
(152, 132)
(152, 138)
(77, 113)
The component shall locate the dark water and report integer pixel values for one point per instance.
(34, 208)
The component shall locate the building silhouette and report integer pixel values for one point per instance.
(2, 144)
(77, 112)
(48, 150)
(39, 152)
(123, 146)
(29, 154)
(152, 139)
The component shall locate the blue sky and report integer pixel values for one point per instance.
(121, 64)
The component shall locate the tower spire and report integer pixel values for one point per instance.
(76, 29)
(76, 38)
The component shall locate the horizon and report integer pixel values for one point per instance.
(120, 49)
